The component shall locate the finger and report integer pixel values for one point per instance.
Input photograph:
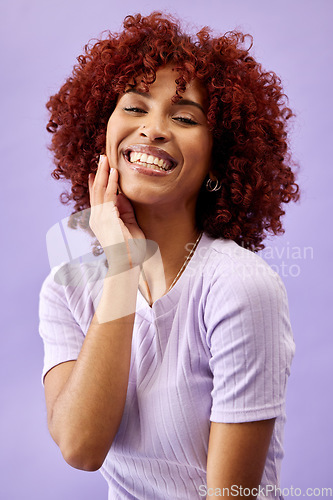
(123, 204)
(102, 167)
(112, 187)
(91, 178)
(101, 180)
(125, 208)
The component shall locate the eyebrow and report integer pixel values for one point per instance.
(181, 102)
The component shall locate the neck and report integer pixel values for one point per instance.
(173, 232)
(170, 230)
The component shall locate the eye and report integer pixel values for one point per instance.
(133, 109)
(187, 121)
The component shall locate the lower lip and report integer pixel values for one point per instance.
(147, 171)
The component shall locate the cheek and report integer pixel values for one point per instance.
(112, 134)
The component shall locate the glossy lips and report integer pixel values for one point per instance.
(151, 159)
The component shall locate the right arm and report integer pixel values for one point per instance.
(85, 398)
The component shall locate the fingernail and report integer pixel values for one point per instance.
(111, 170)
(100, 159)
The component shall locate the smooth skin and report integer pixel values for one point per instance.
(85, 398)
(164, 206)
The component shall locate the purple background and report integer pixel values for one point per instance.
(39, 43)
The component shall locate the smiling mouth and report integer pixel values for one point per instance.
(152, 158)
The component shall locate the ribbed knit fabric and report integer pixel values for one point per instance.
(218, 346)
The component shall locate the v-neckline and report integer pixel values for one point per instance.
(173, 293)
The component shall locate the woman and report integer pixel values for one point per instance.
(167, 367)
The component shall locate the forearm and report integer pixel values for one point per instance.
(87, 413)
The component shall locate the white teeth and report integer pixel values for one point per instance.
(148, 161)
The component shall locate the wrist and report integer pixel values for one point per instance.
(119, 294)
(125, 255)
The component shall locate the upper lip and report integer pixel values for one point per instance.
(153, 151)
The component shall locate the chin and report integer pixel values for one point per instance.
(140, 195)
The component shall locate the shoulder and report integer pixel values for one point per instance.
(246, 302)
(231, 270)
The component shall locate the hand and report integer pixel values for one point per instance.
(113, 221)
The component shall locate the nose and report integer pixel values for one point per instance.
(155, 128)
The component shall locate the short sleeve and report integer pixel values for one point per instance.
(65, 312)
(250, 341)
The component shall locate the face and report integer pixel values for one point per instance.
(161, 149)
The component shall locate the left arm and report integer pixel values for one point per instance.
(236, 457)
(251, 345)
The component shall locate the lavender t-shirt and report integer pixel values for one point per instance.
(217, 347)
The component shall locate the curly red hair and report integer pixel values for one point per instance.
(247, 114)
